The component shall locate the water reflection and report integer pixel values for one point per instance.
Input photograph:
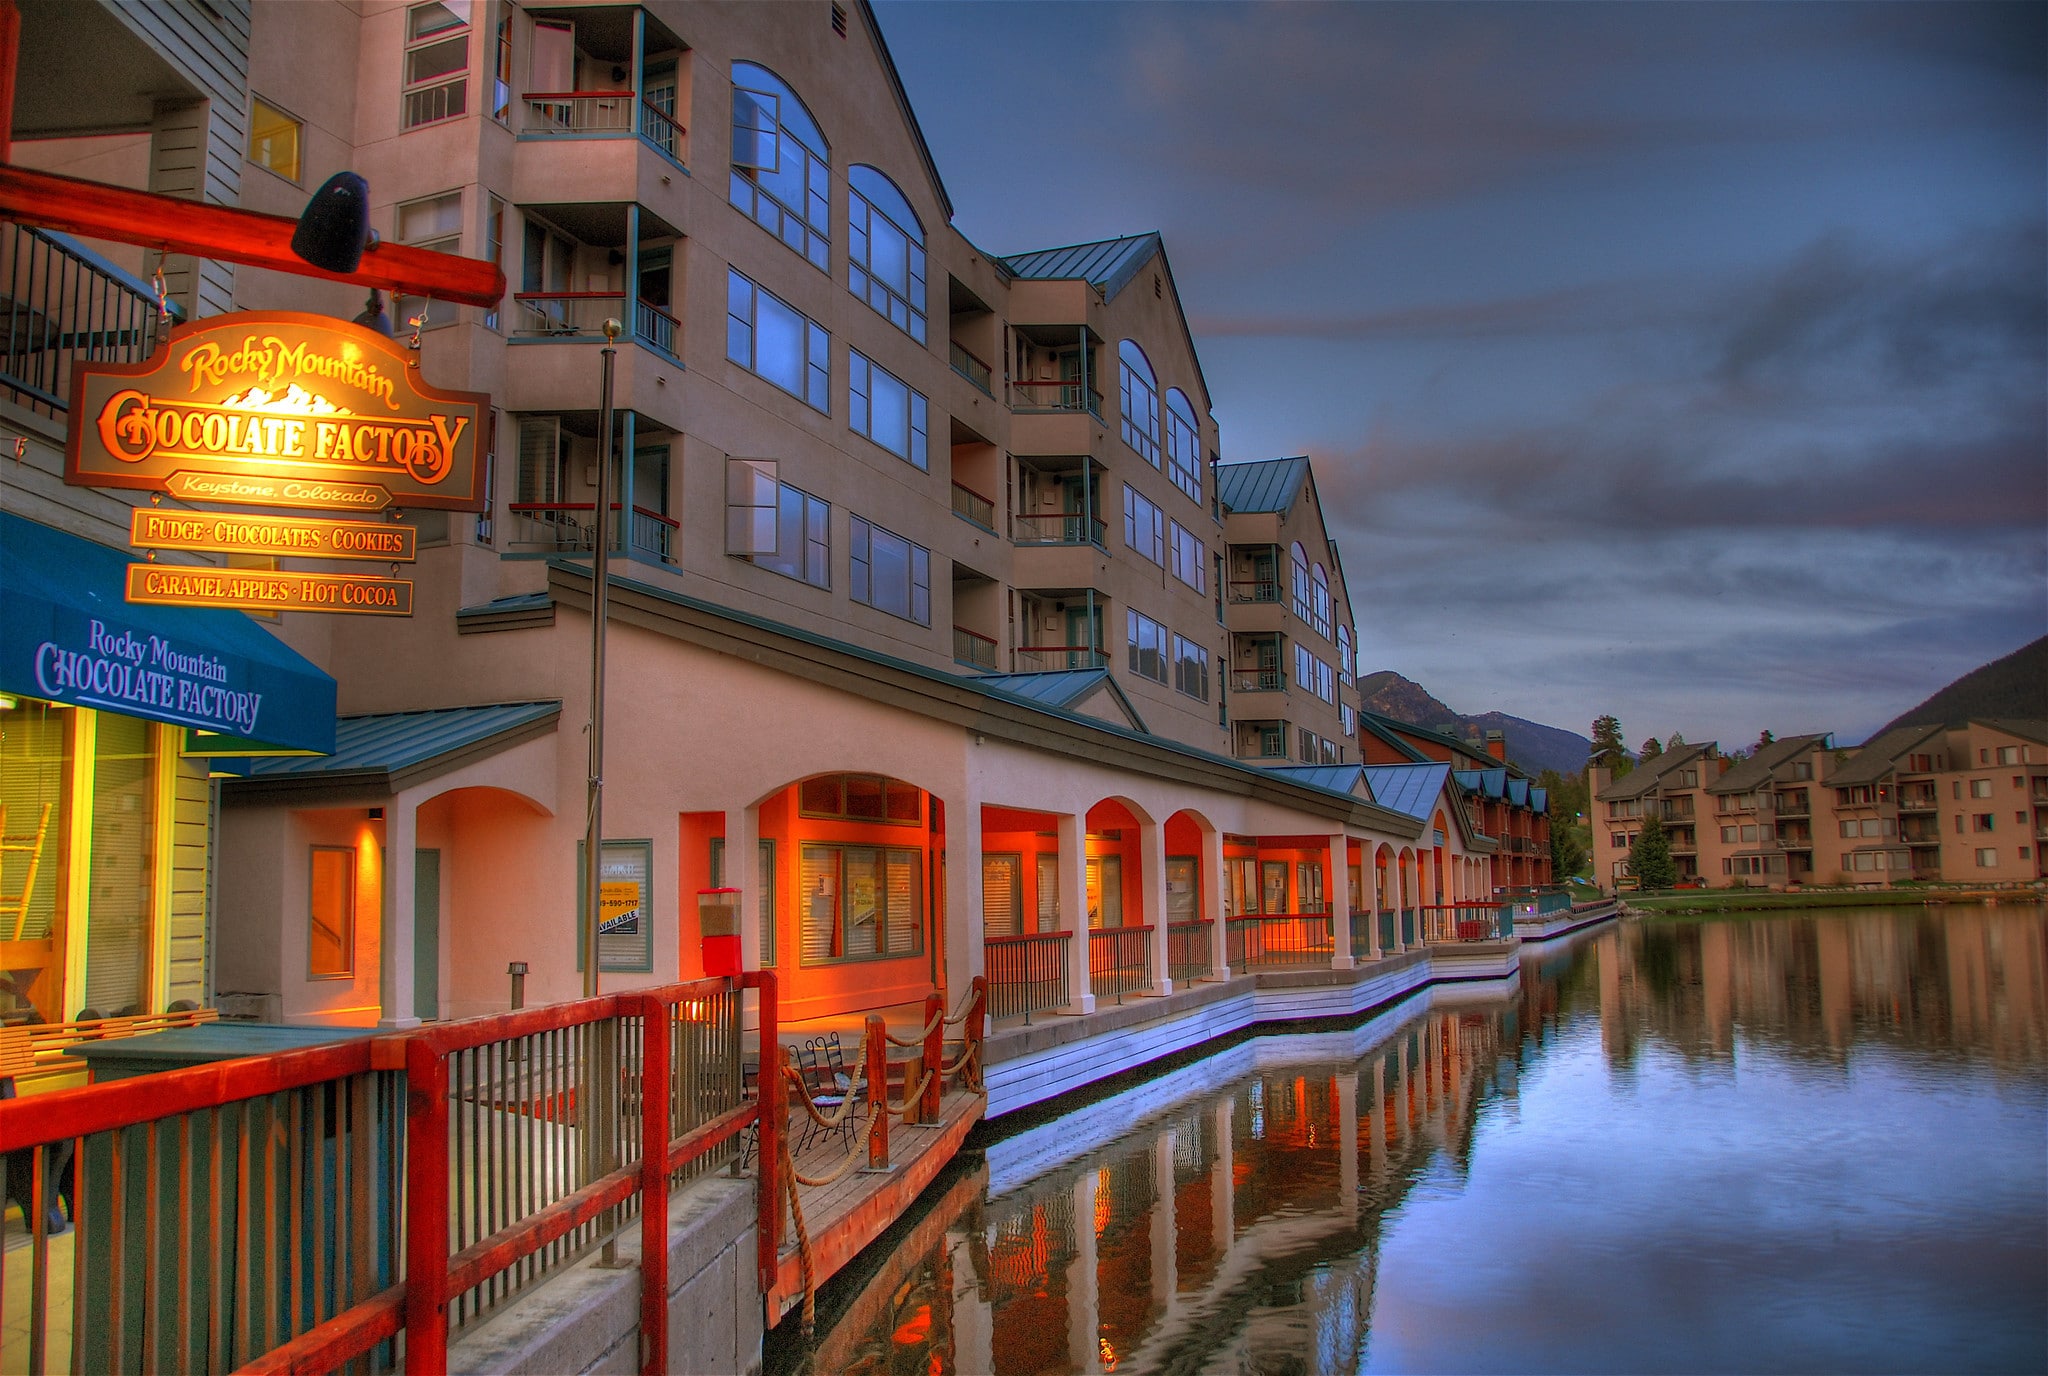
(1762, 1144)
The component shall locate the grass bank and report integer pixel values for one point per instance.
(1692, 902)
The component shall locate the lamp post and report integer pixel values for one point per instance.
(600, 575)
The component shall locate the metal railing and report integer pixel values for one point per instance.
(1119, 961)
(1041, 659)
(1057, 528)
(1390, 935)
(432, 104)
(974, 507)
(973, 649)
(1258, 680)
(969, 367)
(1187, 949)
(655, 533)
(1278, 941)
(1361, 934)
(1410, 925)
(1446, 924)
(561, 526)
(1051, 396)
(659, 128)
(655, 326)
(361, 1201)
(565, 314)
(1026, 974)
(65, 303)
(1254, 590)
(579, 112)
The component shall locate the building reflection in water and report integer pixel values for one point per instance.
(1227, 1216)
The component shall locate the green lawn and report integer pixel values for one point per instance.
(1692, 901)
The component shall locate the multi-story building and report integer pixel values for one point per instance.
(1292, 649)
(1505, 804)
(1759, 831)
(1670, 787)
(919, 554)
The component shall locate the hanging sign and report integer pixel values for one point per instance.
(221, 532)
(269, 590)
(277, 409)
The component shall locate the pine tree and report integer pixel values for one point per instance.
(1608, 752)
(1649, 856)
(1652, 748)
(1763, 739)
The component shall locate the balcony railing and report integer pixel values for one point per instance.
(969, 367)
(1280, 941)
(565, 526)
(654, 533)
(1254, 590)
(1026, 974)
(1119, 961)
(659, 128)
(566, 314)
(1258, 681)
(579, 112)
(974, 649)
(1053, 396)
(1449, 923)
(1057, 528)
(972, 506)
(64, 303)
(1041, 659)
(655, 325)
(1187, 950)
(1917, 801)
(1262, 744)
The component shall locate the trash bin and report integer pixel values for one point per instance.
(718, 925)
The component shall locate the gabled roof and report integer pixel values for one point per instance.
(392, 751)
(1518, 792)
(1746, 776)
(1411, 789)
(1261, 484)
(1070, 690)
(1646, 778)
(1881, 756)
(1109, 264)
(1385, 734)
(2026, 729)
(1492, 782)
(924, 152)
(1391, 728)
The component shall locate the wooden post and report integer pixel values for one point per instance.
(934, 1055)
(769, 1201)
(426, 1208)
(655, 1087)
(877, 1070)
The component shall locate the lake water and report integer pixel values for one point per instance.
(1785, 1143)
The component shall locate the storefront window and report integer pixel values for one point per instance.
(331, 937)
(122, 887)
(35, 773)
(861, 903)
(1106, 891)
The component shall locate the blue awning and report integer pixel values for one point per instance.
(68, 634)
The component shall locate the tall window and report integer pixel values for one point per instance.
(1190, 668)
(501, 69)
(781, 167)
(1319, 601)
(274, 139)
(1299, 585)
(494, 246)
(886, 410)
(433, 222)
(331, 933)
(775, 341)
(1190, 562)
(889, 573)
(1146, 641)
(1344, 653)
(885, 249)
(860, 903)
(803, 549)
(436, 63)
(1144, 525)
(1140, 401)
(1183, 445)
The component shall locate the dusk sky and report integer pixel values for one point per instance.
(1683, 362)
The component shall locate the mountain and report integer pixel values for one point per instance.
(1532, 745)
(2016, 686)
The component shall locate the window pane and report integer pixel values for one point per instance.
(331, 938)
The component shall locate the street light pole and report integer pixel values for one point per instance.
(600, 582)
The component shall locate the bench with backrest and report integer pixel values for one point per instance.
(35, 1051)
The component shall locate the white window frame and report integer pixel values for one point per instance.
(443, 95)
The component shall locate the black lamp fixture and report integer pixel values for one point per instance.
(372, 316)
(334, 228)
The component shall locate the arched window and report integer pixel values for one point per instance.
(1319, 605)
(885, 249)
(1299, 582)
(1183, 445)
(1140, 397)
(781, 166)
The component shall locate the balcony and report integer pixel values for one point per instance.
(1052, 396)
(1919, 800)
(566, 315)
(973, 650)
(1057, 528)
(603, 50)
(1258, 681)
(973, 369)
(1252, 590)
(568, 528)
(975, 509)
(1045, 659)
(1260, 740)
(64, 304)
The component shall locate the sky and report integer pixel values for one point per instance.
(1684, 362)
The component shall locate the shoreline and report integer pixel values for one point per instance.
(1694, 903)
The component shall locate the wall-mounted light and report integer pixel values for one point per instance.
(376, 814)
(334, 228)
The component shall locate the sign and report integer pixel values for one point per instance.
(277, 409)
(618, 907)
(197, 585)
(224, 533)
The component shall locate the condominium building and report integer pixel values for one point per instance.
(928, 586)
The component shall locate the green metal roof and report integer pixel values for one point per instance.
(1110, 264)
(1337, 778)
(1262, 484)
(383, 749)
(1410, 789)
(1066, 689)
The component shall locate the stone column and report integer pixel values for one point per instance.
(1073, 898)
(395, 925)
(966, 956)
(743, 872)
(1213, 882)
(1368, 867)
(1152, 895)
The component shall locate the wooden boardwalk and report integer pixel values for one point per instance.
(843, 1217)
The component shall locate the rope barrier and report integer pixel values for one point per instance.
(918, 1039)
(967, 1054)
(838, 1172)
(966, 1001)
(803, 1242)
(911, 1098)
